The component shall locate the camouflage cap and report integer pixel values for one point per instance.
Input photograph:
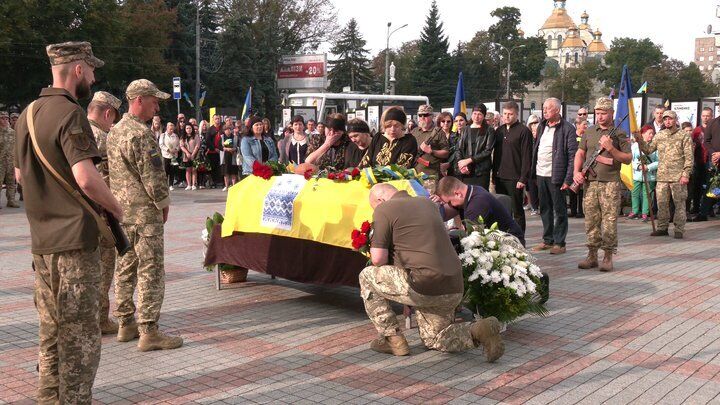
(670, 113)
(107, 98)
(67, 52)
(4, 114)
(604, 103)
(425, 109)
(144, 87)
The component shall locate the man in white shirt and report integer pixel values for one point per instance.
(552, 168)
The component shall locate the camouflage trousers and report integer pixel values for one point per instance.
(7, 177)
(435, 314)
(665, 190)
(143, 266)
(601, 203)
(107, 268)
(67, 288)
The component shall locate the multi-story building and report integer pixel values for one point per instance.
(706, 55)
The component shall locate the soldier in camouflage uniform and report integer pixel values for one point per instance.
(430, 279)
(675, 162)
(64, 234)
(138, 181)
(103, 111)
(7, 154)
(602, 188)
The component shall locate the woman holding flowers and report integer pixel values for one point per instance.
(256, 146)
(229, 165)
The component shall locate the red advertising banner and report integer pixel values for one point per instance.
(301, 70)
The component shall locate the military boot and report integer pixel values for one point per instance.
(607, 263)
(486, 332)
(108, 326)
(153, 339)
(591, 261)
(396, 345)
(127, 332)
(13, 204)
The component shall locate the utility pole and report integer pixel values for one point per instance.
(509, 52)
(387, 52)
(198, 116)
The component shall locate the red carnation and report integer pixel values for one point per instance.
(355, 172)
(365, 227)
(356, 244)
(362, 239)
(331, 176)
(355, 234)
(308, 174)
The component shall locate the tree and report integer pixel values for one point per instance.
(676, 81)
(528, 58)
(259, 32)
(352, 68)
(638, 55)
(433, 68)
(574, 84)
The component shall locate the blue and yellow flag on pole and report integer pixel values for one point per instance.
(625, 105)
(248, 104)
(460, 106)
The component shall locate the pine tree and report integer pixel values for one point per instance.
(434, 74)
(352, 68)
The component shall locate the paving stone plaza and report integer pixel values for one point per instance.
(646, 333)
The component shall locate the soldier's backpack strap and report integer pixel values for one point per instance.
(102, 225)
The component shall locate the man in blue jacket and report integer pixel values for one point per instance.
(552, 166)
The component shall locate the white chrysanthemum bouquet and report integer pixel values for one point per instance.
(501, 279)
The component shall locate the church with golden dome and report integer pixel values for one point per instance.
(570, 44)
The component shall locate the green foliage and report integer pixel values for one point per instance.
(638, 55)
(352, 68)
(575, 84)
(677, 81)
(432, 68)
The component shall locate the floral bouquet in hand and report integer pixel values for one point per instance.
(713, 186)
(501, 279)
(361, 238)
(228, 143)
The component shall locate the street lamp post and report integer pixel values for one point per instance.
(387, 52)
(509, 52)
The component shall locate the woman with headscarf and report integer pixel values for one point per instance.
(394, 145)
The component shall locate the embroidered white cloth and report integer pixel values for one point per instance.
(278, 205)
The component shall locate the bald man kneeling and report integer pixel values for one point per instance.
(424, 272)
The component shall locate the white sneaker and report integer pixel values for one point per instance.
(201, 187)
(224, 188)
(194, 188)
(172, 188)
(188, 188)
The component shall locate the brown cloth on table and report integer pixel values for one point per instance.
(300, 260)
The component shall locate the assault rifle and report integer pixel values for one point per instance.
(122, 243)
(589, 165)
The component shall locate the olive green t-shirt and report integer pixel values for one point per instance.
(590, 143)
(412, 230)
(58, 223)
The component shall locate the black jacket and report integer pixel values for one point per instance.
(564, 147)
(478, 146)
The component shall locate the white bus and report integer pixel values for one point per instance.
(354, 105)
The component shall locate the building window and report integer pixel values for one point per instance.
(576, 58)
(710, 57)
(710, 49)
(559, 41)
(702, 49)
(702, 58)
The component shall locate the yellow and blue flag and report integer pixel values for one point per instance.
(202, 98)
(248, 104)
(626, 106)
(460, 105)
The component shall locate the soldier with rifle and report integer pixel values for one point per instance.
(606, 148)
